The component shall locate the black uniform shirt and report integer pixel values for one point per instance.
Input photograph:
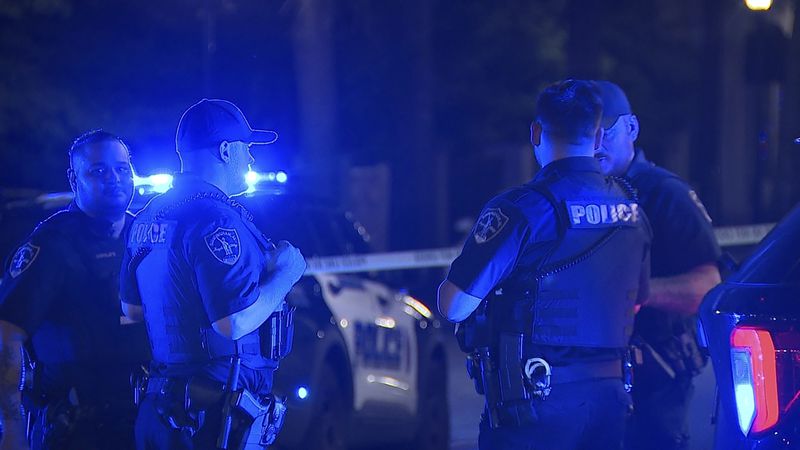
(204, 264)
(682, 236)
(60, 286)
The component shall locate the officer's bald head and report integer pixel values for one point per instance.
(569, 111)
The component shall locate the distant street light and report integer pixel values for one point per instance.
(758, 5)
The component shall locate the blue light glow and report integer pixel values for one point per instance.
(158, 183)
(743, 389)
(254, 178)
(302, 392)
(281, 177)
(162, 182)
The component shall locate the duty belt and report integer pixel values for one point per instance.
(160, 385)
(583, 371)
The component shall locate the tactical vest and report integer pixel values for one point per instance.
(260, 349)
(583, 292)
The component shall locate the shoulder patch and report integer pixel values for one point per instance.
(700, 205)
(224, 245)
(23, 259)
(489, 225)
(602, 214)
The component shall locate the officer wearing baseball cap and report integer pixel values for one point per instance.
(683, 269)
(545, 288)
(211, 289)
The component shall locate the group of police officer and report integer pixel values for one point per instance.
(559, 277)
(573, 283)
(92, 284)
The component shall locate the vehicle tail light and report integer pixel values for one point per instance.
(766, 375)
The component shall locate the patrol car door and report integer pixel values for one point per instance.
(380, 337)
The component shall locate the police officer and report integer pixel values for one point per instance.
(546, 287)
(684, 269)
(59, 300)
(211, 290)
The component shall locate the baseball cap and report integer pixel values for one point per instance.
(615, 102)
(210, 121)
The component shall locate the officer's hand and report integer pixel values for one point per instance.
(287, 260)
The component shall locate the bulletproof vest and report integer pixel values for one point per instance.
(80, 341)
(84, 324)
(582, 293)
(196, 341)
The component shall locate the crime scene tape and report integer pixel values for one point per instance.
(442, 257)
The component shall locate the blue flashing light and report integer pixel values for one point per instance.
(251, 178)
(281, 177)
(302, 392)
(254, 178)
(162, 182)
(158, 183)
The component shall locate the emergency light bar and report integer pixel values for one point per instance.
(162, 182)
(158, 183)
(253, 178)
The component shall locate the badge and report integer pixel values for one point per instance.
(489, 225)
(224, 245)
(23, 259)
(700, 205)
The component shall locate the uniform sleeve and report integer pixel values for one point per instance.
(683, 236)
(128, 292)
(227, 263)
(32, 279)
(492, 249)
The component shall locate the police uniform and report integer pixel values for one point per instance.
(560, 262)
(61, 288)
(683, 239)
(194, 257)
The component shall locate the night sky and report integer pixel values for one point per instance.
(407, 82)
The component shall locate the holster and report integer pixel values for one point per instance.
(677, 357)
(276, 334)
(508, 396)
(58, 421)
(261, 420)
(256, 423)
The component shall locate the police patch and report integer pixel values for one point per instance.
(600, 214)
(23, 259)
(152, 233)
(224, 245)
(489, 225)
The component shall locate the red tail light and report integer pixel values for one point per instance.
(766, 375)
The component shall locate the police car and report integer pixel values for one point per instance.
(368, 365)
(750, 325)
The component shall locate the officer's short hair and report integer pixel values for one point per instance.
(93, 137)
(570, 110)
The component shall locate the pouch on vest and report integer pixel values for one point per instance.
(276, 334)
